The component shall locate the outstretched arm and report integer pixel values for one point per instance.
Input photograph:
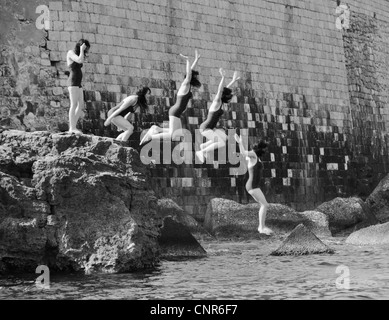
(188, 76)
(221, 85)
(234, 79)
(197, 57)
(243, 151)
(189, 68)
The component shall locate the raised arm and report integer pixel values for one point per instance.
(189, 68)
(197, 57)
(221, 85)
(188, 76)
(234, 79)
(76, 58)
(243, 151)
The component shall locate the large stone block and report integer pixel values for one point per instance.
(168, 208)
(347, 215)
(177, 242)
(371, 236)
(229, 219)
(82, 204)
(302, 242)
(378, 200)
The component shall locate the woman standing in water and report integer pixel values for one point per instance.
(184, 94)
(208, 127)
(119, 114)
(75, 60)
(254, 165)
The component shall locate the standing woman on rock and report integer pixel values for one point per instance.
(119, 114)
(208, 127)
(75, 60)
(184, 94)
(254, 165)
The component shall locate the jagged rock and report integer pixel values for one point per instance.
(168, 208)
(229, 219)
(347, 215)
(74, 202)
(374, 235)
(378, 201)
(177, 242)
(301, 242)
(320, 223)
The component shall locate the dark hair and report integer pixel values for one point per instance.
(259, 147)
(142, 102)
(79, 44)
(194, 82)
(226, 95)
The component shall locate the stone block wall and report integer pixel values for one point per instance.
(318, 94)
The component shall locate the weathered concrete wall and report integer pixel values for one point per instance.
(366, 46)
(301, 86)
(28, 100)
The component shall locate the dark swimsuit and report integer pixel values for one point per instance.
(180, 105)
(75, 76)
(126, 111)
(254, 176)
(212, 119)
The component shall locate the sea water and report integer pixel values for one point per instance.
(232, 270)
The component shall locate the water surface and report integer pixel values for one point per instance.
(232, 270)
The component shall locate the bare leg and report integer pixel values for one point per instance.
(152, 133)
(80, 106)
(258, 196)
(172, 132)
(205, 144)
(126, 126)
(74, 95)
(212, 145)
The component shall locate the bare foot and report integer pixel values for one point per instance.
(146, 137)
(265, 230)
(75, 131)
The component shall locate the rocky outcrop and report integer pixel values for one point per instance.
(229, 219)
(378, 200)
(74, 202)
(302, 242)
(177, 242)
(347, 215)
(374, 235)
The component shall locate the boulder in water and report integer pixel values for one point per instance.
(74, 202)
(319, 223)
(302, 242)
(374, 235)
(176, 242)
(347, 215)
(169, 208)
(229, 219)
(378, 200)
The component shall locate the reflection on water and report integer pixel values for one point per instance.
(237, 271)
